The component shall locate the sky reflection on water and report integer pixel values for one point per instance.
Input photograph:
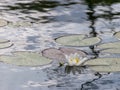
(47, 20)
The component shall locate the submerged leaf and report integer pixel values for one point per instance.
(78, 40)
(104, 64)
(117, 35)
(25, 59)
(3, 22)
(109, 45)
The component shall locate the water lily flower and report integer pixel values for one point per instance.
(75, 60)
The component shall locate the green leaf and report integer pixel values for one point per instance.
(20, 24)
(4, 44)
(70, 38)
(4, 41)
(112, 50)
(104, 64)
(25, 59)
(109, 45)
(77, 40)
(113, 68)
(117, 35)
(3, 22)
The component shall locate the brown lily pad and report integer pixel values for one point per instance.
(69, 51)
(53, 53)
(59, 54)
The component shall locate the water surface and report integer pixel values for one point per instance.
(33, 24)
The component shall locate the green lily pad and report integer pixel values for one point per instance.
(4, 40)
(20, 24)
(104, 64)
(109, 45)
(113, 68)
(59, 54)
(117, 35)
(4, 44)
(112, 50)
(3, 22)
(25, 59)
(77, 40)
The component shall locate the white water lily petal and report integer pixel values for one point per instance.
(75, 59)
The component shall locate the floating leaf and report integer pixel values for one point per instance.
(4, 40)
(112, 50)
(59, 54)
(53, 53)
(70, 38)
(5, 44)
(20, 24)
(69, 51)
(117, 35)
(104, 64)
(113, 68)
(109, 45)
(25, 59)
(3, 22)
(78, 40)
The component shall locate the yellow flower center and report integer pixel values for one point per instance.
(75, 60)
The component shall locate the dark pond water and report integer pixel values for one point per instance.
(35, 23)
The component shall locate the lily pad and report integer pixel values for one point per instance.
(4, 44)
(20, 24)
(112, 50)
(109, 45)
(69, 51)
(4, 40)
(3, 22)
(59, 54)
(78, 40)
(113, 68)
(104, 64)
(53, 53)
(25, 59)
(117, 35)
